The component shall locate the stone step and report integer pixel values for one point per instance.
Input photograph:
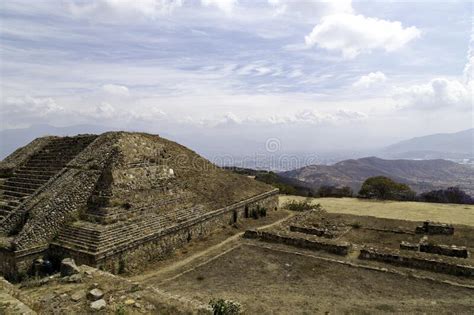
(9, 199)
(31, 177)
(7, 208)
(35, 175)
(4, 213)
(14, 193)
(45, 164)
(116, 237)
(17, 188)
(48, 158)
(40, 169)
(25, 184)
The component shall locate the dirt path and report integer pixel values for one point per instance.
(202, 254)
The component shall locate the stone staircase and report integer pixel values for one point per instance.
(97, 238)
(39, 169)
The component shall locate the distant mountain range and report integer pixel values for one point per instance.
(456, 146)
(423, 175)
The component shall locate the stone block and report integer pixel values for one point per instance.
(68, 267)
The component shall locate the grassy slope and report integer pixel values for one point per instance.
(413, 211)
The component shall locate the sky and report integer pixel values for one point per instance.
(234, 74)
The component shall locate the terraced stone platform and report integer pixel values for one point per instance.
(114, 201)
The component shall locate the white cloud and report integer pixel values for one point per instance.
(311, 7)
(15, 111)
(469, 68)
(225, 5)
(114, 89)
(354, 34)
(150, 9)
(148, 114)
(317, 117)
(104, 110)
(31, 106)
(439, 93)
(370, 79)
(442, 93)
(305, 116)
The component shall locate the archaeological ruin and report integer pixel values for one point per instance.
(114, 201)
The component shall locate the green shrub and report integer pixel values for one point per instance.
(224, 307)
(120, 310)
(263, 212)
(384, 188)
(356, 225)
(303, 205)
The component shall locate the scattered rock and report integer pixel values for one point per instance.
(47, 298)
(77, 296)
(98, 305)
(68, 267)
(77, 278)
(95, 294)
(129, 302)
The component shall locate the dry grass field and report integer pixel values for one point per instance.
(413, 211)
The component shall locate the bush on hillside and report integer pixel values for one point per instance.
(333, 191)
(302, 205)
(449, 195)
(224, 307)
(384, 188)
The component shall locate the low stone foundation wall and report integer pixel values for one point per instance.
(410, 246)
(14, 265)
(417, 262)
(322, 232)
(331, 247)
(432, 228)
(445, 250)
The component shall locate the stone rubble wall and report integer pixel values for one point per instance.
(321, 232)
(21, 155)
(342, 248)
(432, 228)
(416, 261)
(445, 250)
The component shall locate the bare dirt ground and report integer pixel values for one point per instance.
(413, 211)
(199, 251)
(269, 281)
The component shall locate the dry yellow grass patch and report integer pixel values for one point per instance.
(413, 211)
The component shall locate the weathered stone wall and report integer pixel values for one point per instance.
(417, 261)
(134, 255)
(322, 232)
(432, 228)
(445, 250)
(21, 155)
(342, 248)
(15, 265)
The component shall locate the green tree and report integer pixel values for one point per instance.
(381, 187)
